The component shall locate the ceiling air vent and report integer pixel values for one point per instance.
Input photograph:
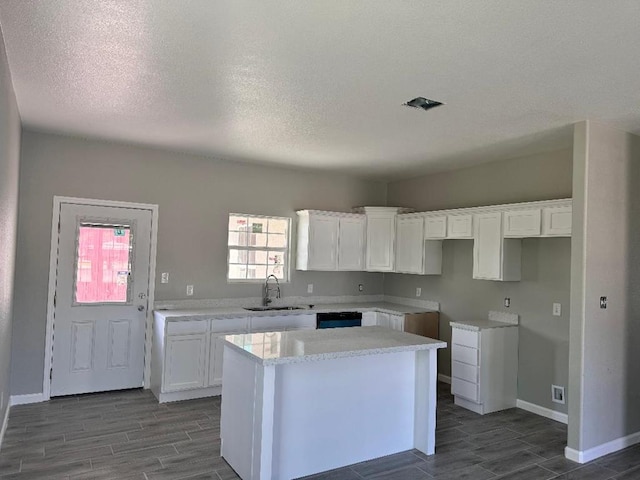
(423, 103)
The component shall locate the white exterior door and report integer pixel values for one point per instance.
(102, 281)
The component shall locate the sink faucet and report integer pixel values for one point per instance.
(266, 297)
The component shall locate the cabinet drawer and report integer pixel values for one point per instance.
(464, 389)
(465, 372)
(467, 338)
(229, 324)
(187, 327)
(462, 354)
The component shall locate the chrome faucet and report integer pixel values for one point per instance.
(266, 297)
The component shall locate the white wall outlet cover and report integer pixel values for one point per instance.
(418, 291)
(557, 309)
(360, 287)
(310, 288)
(557, 394)
(164, 278)
(189, 290)
(507, 302)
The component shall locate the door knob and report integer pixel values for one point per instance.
(140, 308)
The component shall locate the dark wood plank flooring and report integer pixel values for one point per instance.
(127, 435)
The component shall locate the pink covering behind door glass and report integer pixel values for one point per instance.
(103, 265)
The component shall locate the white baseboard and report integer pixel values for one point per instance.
(189, 394)
(25, 399)
(5, 422)
(584, 456)
(444, 378)
(543, 411)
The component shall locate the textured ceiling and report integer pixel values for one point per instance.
(321, 84)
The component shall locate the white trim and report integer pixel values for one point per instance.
(189, 394)
(5, 422)
(26, 399)
(53, 261)
(444, 378)
(584, 456)
(543, 411)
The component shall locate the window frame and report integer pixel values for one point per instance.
(287, 251)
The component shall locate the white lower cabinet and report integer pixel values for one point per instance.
(396, 322)
(369, 319)
(186, 362)
(484, 368)
(383, 319)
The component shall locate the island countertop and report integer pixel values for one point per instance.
(297, 346)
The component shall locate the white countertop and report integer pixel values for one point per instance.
(228, 312)
(477, 325)
(299, 346)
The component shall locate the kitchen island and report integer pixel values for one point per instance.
(300, 402)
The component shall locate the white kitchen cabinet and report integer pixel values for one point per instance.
(460, 226)
(220, 327)
(435, 227)
(381, 232)
(556, 221)
(330, 241)
(369, 319)
(396, 322)
(186, 362)
(409, 245)
(484, 367)
(351, 243)
(274, 323)
(522, 223)
(383, 319)
(494, 257)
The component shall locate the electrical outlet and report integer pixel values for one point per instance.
(189, 290)
(557, 309)
(418, 291)
(164, 278)
(603, 302)
(507, 302)
(360, 287)
(310, 288)
(557, 394)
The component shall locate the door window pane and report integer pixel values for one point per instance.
(103, 261)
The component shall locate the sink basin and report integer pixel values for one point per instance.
(266, 309)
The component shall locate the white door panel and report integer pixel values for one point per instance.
(102, 281)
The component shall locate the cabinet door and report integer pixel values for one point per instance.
(460, 226)
(302, 322)
(351, 237)
(383, 319)
(435, 227)
(369, 319)
(522, 223)
(556, 221)
(487, 247)
(410, 245)
(396, 322)
(216, 352)
(185, 362)
(323, 242)
(381, 232)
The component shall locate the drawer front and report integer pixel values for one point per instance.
(464, 389)
(230, 324)
(462, 354)
(467, 338)
(187, 327)
(465, 372)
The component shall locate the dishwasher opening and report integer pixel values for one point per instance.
(339, 319)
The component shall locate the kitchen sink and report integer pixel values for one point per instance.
(266, 309)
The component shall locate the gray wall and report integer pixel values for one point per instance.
(604, 354)
(544, 339)
(195, 195)
(9, 161)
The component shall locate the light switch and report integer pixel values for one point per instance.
(418, 291)
(189, 290)
(164, 278)
(310, 288)
(557, 309)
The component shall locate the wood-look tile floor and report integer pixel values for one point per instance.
(128, 435)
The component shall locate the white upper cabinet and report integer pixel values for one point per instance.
(409, 245)
(413, 253)
(435, 227)
(494, 258)
(522, 223)
(351, 242)
(381, 233)
(330, 241)
(460, 226)
(556, 221)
